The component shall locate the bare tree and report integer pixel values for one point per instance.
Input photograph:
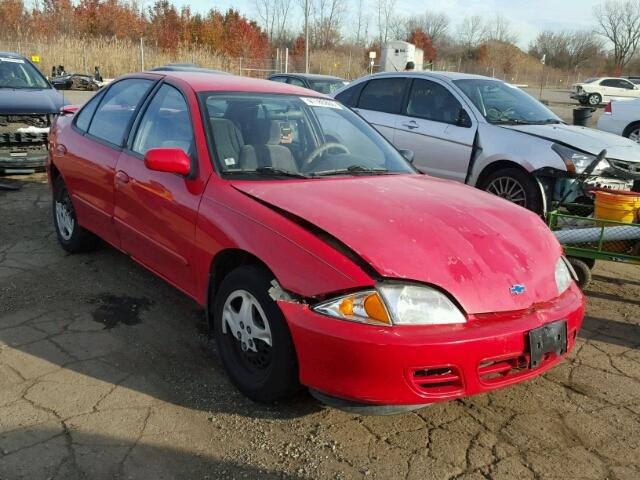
(327, 18)
(471, 32)
(583, 46)
(566, 49)
(500, 30)
(274, 15)
(433, 24)
(385, 10)
(362, 24)
(619, 22)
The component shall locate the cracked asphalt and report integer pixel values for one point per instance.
(106, 373)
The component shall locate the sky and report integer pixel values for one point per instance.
(528, 17)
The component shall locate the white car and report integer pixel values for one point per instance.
(486, 133)
(622, 118)
(594, 91)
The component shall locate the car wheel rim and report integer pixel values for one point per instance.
(509, 189)
(635, 135)
(65, 218)
(593, 100)
(247, 327)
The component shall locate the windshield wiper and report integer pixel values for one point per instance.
(353, 170)
(267, 171)
(516, 121)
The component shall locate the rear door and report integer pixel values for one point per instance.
(380, 103)
(156, 212)
(90, 156)
(439, 131)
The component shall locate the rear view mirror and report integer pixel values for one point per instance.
(407, 154)
(170, 160)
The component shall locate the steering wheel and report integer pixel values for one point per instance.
(19, 82)
(313, 156)
(496, 114)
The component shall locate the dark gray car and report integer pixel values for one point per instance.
(320, 83)
(28, 104)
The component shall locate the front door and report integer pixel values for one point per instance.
(437, 129)
(156, 212)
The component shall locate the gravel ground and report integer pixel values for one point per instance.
(105, 372)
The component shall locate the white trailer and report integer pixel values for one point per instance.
(396, 54)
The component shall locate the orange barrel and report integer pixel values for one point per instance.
(618, 206)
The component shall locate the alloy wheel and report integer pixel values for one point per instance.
(65, 217)
(509, 189)
(635, 135)
(244, 319)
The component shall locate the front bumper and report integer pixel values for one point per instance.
(423, 364)
(23, 164)
(579, 96)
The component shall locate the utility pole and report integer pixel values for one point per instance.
(306, 36)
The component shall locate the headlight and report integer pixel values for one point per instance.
(575, 161)
(564, 275)
(395, 304)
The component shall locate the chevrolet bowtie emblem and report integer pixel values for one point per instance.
(517, 289)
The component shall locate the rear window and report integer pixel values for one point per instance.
(383, 95)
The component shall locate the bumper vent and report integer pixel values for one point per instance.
(437, 381)
(496, 371)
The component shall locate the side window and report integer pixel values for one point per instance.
(295, 81)
(279, 79)
(432, 101)
(625, 84)
(85, 115)
(349, 96)
(383, 95)
(165, 124)
(608, 83)
(118, 105)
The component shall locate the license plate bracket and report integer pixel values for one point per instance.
(550, 338)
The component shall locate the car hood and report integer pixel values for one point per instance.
(21, 101)
(585, 139)
(473, 245)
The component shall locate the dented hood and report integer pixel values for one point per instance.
(585, 139)
(474, 245)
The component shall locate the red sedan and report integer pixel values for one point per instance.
(320, 255)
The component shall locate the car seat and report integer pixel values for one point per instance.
(228, 141)
(268, 153)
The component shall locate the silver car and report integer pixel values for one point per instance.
(486, 133)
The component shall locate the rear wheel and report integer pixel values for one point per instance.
(253, 337)
(71, 236)
(517, 186)
(594, 99)
(632, 132)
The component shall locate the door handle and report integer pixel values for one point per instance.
(122, 177)
(411, 125)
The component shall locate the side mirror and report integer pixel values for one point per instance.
(170, 160)
(69, 109)
(464, 120)
(408, 155)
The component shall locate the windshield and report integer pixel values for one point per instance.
(280, 136)
(18, 73)
(500, 102)
(327, 86)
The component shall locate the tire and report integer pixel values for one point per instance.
(517, 186)
(71, 236)
(594, 99)
(264, 373)
(582, 269)
(632, 132)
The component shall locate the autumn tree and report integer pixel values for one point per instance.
(424, 42)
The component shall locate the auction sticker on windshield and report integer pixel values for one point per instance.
(321, 102)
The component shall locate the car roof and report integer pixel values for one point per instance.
(185, 67)
(308, 76)
(224, 82)
(431, 74)
(11, 55)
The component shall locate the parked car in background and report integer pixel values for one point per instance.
(75, 81)
(483, 132)
(622, 118)
(28, 104)
(594, 91)
(320, 83)
(321, 256)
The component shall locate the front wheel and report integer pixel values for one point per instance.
(71, 236)
(632, 132)
(595, 99)
(253, 337)
(517, 186)
(582, 267)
